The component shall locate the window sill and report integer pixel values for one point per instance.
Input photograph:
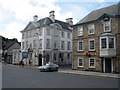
(80, 66)
(91, 67)
(92, 50)
(107, 31)
(91, 34)
(80, 35)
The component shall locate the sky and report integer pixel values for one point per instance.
(16, 14)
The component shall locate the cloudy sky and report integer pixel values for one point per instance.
(16, 14)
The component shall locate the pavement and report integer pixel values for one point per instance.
(78, 72)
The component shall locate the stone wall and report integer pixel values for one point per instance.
(99, 29)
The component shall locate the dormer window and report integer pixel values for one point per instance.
(111, 42)
(91, 29)
(107, 26)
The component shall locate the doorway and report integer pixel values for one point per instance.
(107, 65)
(40, 60)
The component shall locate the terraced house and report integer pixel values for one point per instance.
(47, 40)
(96, 41)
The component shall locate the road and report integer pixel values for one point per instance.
(18, 77)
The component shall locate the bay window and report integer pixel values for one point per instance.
(111, 42)
(107, 42)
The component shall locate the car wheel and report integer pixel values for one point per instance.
(49, 69)
(56, 69)
(41, 70)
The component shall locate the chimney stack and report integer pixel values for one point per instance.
(52, 16)
(69, 20)
(35, 18)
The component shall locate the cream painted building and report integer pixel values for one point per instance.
(47, 40)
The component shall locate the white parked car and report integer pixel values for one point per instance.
(49, 67)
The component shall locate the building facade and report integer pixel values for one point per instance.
(96, 41)
(16, 56)
(10, 46)
(47, 40)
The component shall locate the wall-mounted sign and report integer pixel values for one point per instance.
(25, 54)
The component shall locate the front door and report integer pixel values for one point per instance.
(108, 65)
(40, 60)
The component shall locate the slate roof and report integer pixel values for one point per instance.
(94, 15)
(10, 44)
(48, 21)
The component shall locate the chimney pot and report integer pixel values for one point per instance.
(35, 18)
(52, 16)
(69, 20)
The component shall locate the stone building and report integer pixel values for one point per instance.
(96, 41)
(47, 40)
(10, 46)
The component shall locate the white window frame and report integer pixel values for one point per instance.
(68, 45)
(68, 59)
(79, 61)
(48, 31)
(82, 45)
(62, 44)
(54, 56)
(101, 43)
(35, 32)
(114, 42)
(34, 44)
(26, 44)
(40, 32)
(109, 22)
(107, 42)
(80, 31)
(94, 45)
(68, 35)
(48, 47)
(91, 26)
(62, 34)
(94, 62)
(55, 44)
(40, 43)
(30, 33)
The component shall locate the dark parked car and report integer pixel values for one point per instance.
(49, 67)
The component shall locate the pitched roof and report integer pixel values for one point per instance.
(48, 21)
(94, 15)
(9, 44)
